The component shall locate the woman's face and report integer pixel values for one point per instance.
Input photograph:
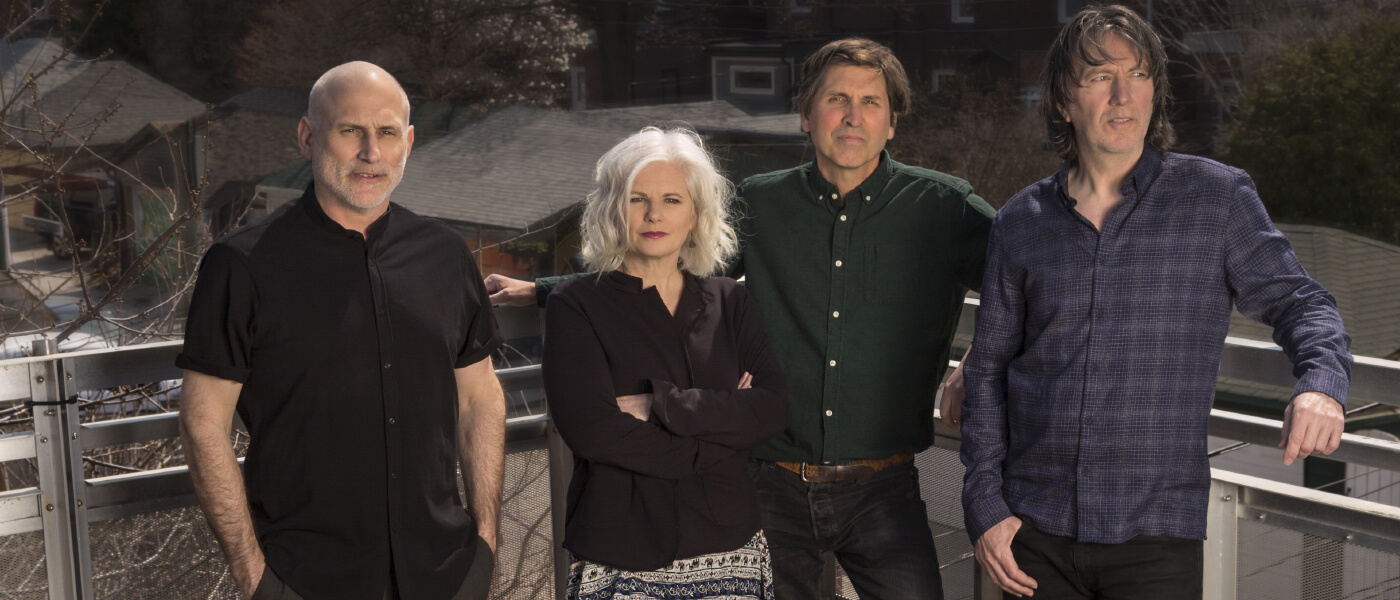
(660, 213)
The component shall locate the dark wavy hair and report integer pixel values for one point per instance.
(861, 53)
(1081, 44)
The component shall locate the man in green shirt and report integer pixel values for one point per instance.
(859, 266)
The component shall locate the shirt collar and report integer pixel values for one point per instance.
(318, 215)
(824, 192)
(1148, 167)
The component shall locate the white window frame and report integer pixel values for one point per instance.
(959, 7)
(938, 74)
(1062, 11)
(772, 72)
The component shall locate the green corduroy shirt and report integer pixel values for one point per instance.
(860, 297)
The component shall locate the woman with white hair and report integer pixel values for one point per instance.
(660, 378)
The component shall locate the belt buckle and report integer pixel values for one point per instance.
(804, 474)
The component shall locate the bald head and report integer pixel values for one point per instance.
(356, 77)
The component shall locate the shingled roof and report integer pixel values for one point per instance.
(79, 93)
(521, 164)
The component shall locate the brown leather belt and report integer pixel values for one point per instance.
(855, 470)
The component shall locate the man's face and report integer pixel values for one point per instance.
(360, 144)
(849, 119)
(1111, 104)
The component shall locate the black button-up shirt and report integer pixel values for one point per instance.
(861, 297)
(1090, 384)
(346, 345)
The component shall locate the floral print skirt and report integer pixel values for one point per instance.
(743, 574)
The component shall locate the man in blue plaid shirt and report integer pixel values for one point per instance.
(1105, 305)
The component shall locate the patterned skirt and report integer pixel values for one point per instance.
(743, 574)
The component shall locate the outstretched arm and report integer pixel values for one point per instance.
(206, 416)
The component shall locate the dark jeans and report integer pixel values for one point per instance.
(477, 585)
(1145, 567)
(877, 528)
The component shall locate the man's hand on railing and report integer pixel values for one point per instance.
(994, 552)
(1312, 423)
(510, 292)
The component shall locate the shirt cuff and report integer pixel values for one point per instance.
(660, 395)
(1336, 385)
(225, 372)
(476, 356)
(984, 514)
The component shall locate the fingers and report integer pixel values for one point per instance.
(1001, 565)
(1313, 423)
(948, 410)
(499, 297)
(746, 381)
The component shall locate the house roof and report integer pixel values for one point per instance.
(272, 100)
(80, 94)
(521, 164)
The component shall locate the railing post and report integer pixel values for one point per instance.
(1222, 542)
(561, 471)
(61, 482)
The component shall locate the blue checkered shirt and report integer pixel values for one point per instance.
(1093, 370)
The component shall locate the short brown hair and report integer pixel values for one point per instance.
(861, 53)
(1080, 44)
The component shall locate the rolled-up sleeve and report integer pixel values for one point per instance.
(221, 321)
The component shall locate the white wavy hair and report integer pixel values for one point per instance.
(604, 224)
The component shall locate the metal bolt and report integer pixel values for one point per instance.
(75, 435)
(39, 379)
(1261, 517)
(50, 412)
(1227, 498)
(70, 376)
(80, 503)
(1350, 537)
(49, 508)
(43, 440)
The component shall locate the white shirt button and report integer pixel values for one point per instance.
(832, 363)
(838, 263)
(833, 196)
(835, 314)
(828, 413)
(867, 198)
(843, 217)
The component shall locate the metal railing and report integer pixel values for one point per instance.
(65, 503)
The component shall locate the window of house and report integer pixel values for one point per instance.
(941, 78)
(753, 80)
(962, 11)
(1067, 9)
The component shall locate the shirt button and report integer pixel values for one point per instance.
(843, 217)
(835, 314)
(371, 262)
(1103, 261)
(392, 421)
(387, 365)
(393, 476)
(1093, 368)
(832, 363)
(833, 196)
(828, 413)
(1087, 420)
(1098, 314)
(867, 198)
(1084, 471)
(838, 263)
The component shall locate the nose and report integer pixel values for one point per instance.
(369, 148)
(852, 116)
(1122, 93)
(652, 215)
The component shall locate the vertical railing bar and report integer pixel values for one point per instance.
(561, 470)
(1221, 547)
(61, 484)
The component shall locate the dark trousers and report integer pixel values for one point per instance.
(877, 528)
(477, 585)
(1145, 567)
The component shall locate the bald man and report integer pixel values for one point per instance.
(354, 339)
